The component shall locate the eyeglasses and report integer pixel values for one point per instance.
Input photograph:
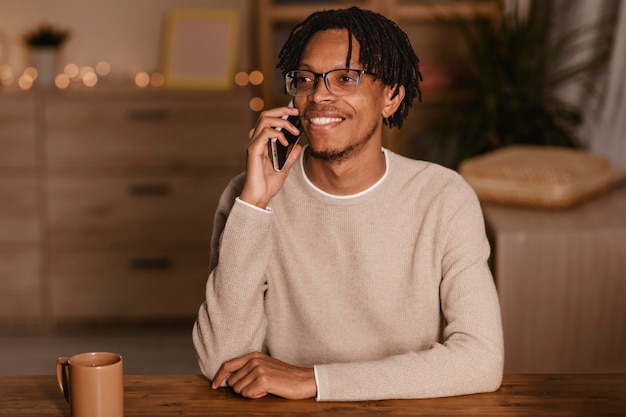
(340, 82)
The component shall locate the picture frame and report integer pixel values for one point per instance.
(200, 48)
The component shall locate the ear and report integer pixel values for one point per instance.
(392, 103)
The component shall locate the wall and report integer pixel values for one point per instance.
(126, 33)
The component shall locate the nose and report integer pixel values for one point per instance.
(321, 92)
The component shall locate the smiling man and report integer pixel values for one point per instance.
(354, 273)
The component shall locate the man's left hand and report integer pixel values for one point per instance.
(255, 375)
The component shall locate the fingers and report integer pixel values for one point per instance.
(292, 158)
(262, 181)
(222, 377)
(271, 120)
(228, 368)
(251, 380)
(255, 375)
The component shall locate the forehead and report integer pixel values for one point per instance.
(330, 49)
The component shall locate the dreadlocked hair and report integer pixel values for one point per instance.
(384, 50)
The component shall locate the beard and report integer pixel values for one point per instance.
(341, 155)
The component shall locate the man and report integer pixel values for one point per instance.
(355, 273)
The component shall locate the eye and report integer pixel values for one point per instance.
(348, 77)
(303, 78)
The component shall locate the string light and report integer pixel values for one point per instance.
(256, 77)
(242, 78)
(25, 81)
(157, 79)
(31, 72)
(71, 70)
(256, 104)
(103, 68)
(90, 78)
(62, 81)
(142, 79)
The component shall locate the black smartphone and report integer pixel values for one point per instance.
(279, 152)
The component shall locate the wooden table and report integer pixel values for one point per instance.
(190, 395)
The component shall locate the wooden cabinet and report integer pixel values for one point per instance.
(18, 142)
(134, 133)
(130, 282)
(106, 206)
(20, 204)
(150, 208)
(19, 210)
(20, 284)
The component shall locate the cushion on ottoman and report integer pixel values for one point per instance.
(537, 176)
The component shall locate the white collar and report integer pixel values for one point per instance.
(346, 197)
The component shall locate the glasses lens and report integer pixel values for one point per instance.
(343, 82)
(300, 83)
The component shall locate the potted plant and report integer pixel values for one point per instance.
(512, 75)
(44, 43)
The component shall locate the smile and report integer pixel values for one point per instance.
(324, 120)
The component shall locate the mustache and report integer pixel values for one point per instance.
(326, 108)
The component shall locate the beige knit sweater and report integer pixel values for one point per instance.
(387, 293)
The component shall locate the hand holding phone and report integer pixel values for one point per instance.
(279, 152)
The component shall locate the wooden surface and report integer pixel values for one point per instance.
(561, 280)
(190, 395)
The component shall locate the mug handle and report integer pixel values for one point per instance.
(62, 379)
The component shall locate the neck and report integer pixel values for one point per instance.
(349, 176)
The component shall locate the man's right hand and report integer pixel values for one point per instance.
(262, 181)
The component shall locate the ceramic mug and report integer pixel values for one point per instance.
(92, 383)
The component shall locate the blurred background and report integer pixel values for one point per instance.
(122, 121)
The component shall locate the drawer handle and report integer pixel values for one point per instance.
(148, 115)
(157, 263)
(149, 190)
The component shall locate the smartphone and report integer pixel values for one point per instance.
(279, 152)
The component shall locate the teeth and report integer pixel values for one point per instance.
(324, 120)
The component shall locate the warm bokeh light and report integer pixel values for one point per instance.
(85, 70)
(142, 79)
(90, 78)
(62, 81)
(71, 70)
(31, 72)
(242, 78)
(103, 68)
(257, 104)
(157, 79)
(256, 77)
(6, 75)
(25, 82)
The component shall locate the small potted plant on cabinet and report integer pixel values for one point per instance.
(44, 44)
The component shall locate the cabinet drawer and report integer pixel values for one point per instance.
(140, 209)
(143, 133)
(128, 283)
(17, 133)
(20, 291)
(19, 220)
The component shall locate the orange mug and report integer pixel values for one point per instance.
(92, 383)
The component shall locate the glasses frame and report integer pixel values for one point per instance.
(324, 76)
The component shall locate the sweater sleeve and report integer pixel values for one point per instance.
(231, 322)
(470, 355)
